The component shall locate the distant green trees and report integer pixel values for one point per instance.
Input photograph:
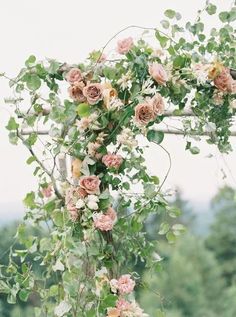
(222, 237)
(199, 276)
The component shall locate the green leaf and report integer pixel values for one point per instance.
(170, 237)
(12, 125)
(33, 82)
(24, 294)
(83, 110)
(31, 140)
(30, 61)
(29, 200)
(164, 228)
(170, 13)
(155, 136)
(165, 24)
(211, 9)
(178, 229)
(31, 159)
(4, 288)
(194, 150)
(58, 218)
(161, 38)
(224, 16)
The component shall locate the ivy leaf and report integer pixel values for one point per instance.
(162, 39)
(29, 200)
(24, 294)
(33, 82)
(4, 288)
(12, 124)
(57, 217)
(155, 136)
(164, 228)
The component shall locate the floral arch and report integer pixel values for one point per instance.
(93, 222)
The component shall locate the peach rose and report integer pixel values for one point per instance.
(76, 168)
(105, 222)
(76, 92)
(74, 75)
(125, 284)
(112, 160)
(144, 113)
(90, 184)
(109, 93)
(158, 104)
(113, 312)
(93, 93)
(224, 81)
(158, 73)
(124, 46)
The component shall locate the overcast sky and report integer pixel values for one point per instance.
(68, 31)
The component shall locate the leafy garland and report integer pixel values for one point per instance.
(94, 221)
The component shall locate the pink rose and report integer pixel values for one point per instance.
(122, 304)
(125, 284)
(105, 222)
(158, 104)
(93, 93)
(74, 75)
(112, 160)
(224, 81)
(144, 113)
(158, 73)
(47, 191)
(76, 92)
(90, 184)
(72, 211)
(124, 46)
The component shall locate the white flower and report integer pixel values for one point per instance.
(62, 309)
(127, 138)
(102, 272)
(114, 285)
(201, 72)
(59, 266)
(233, 104)
(147, 89)
(92, 205)
(125, 81)
(80, 204)
(115, 103)
(93, 198)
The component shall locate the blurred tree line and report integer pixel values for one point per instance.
(198, 278)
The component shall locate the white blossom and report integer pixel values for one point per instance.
(80, 204)
(62, 309)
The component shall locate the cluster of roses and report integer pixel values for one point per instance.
(124, 308)
(86, 195)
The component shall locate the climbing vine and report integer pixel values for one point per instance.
(97, 114)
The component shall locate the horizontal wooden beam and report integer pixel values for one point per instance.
(164, 130)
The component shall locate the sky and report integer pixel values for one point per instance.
(68, 31)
